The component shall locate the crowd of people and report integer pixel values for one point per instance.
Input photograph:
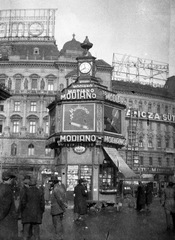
(32, 201)
(31, 205)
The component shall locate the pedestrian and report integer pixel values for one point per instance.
(47, 192)
(8, 212)
(140, 197)
(32, 209)
(149, 195)
(80, 204)
(168, 202)
(58, 206)
(25, 186)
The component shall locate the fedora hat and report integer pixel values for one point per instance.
(7, 175)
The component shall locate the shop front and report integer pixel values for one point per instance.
(86, 131)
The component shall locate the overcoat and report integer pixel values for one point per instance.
(8, 214)
(80, 196)
(32, 205)
(58, 200)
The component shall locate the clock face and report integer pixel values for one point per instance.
(85, 67)
(78, 117)
(36, 29)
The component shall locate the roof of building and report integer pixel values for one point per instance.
(138, 88)
(29, 50)
(72, 47)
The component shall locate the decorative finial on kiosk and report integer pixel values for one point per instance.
(86, 45)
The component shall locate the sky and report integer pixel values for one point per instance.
(139, 28)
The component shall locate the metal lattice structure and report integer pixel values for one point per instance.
(27, 23)
(144, 71)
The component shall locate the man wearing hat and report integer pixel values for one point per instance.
(8, 214)
(32, 208)
(58, 206)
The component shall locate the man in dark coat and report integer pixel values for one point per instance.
(32, 208)
(80, 196)
(141, 197)
(8, 213)
(58, 206)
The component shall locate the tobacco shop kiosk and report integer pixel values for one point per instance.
(86, 131)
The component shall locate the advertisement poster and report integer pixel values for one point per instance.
(112, 119)
(78, 117)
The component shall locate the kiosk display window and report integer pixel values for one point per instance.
(79, 117)
(72, 177)
(107, 177)
(86, 173)
(112, 119)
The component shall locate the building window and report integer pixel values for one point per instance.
(13, 149)
(141, 160)
(47, 151)
(34, 84)
(159, 161)
(150, 143)
(1, 108)
(150, 161)
(167, 162)
(33, 106)
(140, 141)
(130, 104)
(140, 106)
(50, 85)
(2, 81)
(166, 109)
(47, 128)
(173, 110)
(174, 143)
(32, 126)
(15, 126)
(31, 150)
(36, 50)
(61, 86)
(18, 85)
(158, 127)
(1, 126)
(141, 124)
(167, 142)
(159, 142)
(17, 106)
(149, 107)
(174, 161)
(158, 108)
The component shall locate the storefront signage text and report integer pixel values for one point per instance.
(114, 140)
(79, 94)
(150, 115)
(77, 138)
(90, 138)
(111, 97)
(153, 169)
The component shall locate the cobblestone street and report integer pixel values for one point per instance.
(108, 224)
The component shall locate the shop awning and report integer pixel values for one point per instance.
(119, 162)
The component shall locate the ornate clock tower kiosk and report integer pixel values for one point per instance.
(86, 130)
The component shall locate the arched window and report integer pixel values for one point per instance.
(150, 143)
(13, 149)
(31, 149)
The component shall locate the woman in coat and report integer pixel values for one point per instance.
(80, 196)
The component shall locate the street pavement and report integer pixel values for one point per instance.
(109, 224)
